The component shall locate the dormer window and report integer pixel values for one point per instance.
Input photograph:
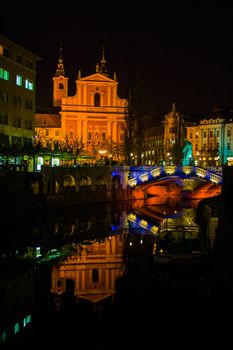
(97, 100)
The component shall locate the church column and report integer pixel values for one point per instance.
(79, 94)
(79, 129)
(84, 130)
(107, 282)
(85, 94)
(109, 130)
(114, 131)
(83, 283)
(109, 96)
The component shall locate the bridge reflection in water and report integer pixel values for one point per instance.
(113, 262)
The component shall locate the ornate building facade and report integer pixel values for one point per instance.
(95, 115)
(164, 138)
(212, 139)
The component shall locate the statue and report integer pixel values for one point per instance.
(187, 153)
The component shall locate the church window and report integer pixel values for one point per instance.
(61, 86)
(97, 100)
(103, 136)
(89, 136)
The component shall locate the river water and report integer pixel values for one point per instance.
(83, 268)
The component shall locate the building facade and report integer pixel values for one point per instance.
(212, 139)
(17, 93)
(164, 139)
(95, 115)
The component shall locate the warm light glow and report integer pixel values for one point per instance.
(144, 177)
(132, 182)
(154, 229)
(143, 223)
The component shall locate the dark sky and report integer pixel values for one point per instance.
(181, 54)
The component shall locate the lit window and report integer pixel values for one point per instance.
(28, 84)
(27, 320)
(19, 80)
(4, 74)
(16, 328)
(3, 337)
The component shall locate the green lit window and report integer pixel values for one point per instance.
(16, 328)
(2, 337)
(27, 320)
(4, 74)
(19, 80)
(28, 84)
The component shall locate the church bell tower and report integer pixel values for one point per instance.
(60, 82)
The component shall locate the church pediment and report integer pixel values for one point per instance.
(97, 77)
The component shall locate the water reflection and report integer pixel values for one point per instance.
(93, 270)
(100, 266)
(94, 263)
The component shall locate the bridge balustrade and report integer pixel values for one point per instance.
(215, 178)
(201, 172)
(170, 169)
(187, 169)
(144, 177)
(156, 172)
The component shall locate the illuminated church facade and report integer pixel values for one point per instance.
(95, 115)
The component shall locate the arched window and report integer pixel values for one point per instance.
(61, 86)
(97, 100)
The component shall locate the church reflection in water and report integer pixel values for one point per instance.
(92, 271)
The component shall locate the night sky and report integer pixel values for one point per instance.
(179, 54)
